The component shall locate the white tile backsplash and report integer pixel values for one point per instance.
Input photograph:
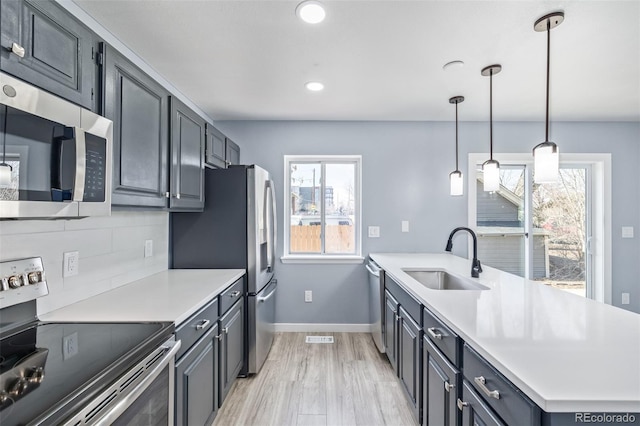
(111, 251)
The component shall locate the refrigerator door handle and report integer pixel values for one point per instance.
(271, 223)
(268, 296)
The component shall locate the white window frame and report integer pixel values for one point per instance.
(321, 257)
(600, 244)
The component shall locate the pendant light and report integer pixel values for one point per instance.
(491, 168)
(455, 177)
(546, 159)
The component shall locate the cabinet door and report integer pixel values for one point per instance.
(196, 384)
(138, 107)
(52, 50)
(474, 411)
(233, 152)
(391, 329)
(409, 367)
(440, 388)
(187, 163)
(231, 347)
(216, 150)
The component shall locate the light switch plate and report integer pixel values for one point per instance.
(405, 226)
(625, 298)
(374, 232)
(308, 296)
(627, 232)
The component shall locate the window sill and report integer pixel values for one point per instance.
(317, 259)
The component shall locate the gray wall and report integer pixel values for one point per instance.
(405, 177)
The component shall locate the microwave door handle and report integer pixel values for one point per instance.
(81, 164)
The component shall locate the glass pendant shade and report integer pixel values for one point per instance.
(5, 175)
(491, 173)
(546, 163)
(456, 182)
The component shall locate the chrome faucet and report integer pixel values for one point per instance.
(476, 268)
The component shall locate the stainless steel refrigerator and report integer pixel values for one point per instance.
(237, 229)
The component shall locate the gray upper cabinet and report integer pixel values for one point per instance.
(187, 158)
(138, 107)
(47, 47)
(232, 152)
(221, 151)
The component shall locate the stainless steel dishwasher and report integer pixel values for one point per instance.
(375, 303)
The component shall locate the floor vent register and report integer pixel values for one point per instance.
(319, 339)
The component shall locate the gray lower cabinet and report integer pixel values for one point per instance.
(187, 157)
(409, 360)
(441, 382)
(196, 373)
(475, 411)
(391, 329)
(138, 107)
(220, 151)
(44, 45)
(231, 347)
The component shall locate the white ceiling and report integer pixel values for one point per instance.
(382, 60)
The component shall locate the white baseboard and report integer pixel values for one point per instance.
(313, 327)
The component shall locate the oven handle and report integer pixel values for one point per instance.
(125, 400)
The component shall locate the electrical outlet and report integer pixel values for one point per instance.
(374, 232)
(308, 296)
(627, 232)
(70, 346)
(148, 248)
(71, 265)
(405, 226)
(625, 298)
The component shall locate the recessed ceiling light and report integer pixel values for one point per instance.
(314, 86)
(453, 65)
(311, 11)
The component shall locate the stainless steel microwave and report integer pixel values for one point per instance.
(55, 156)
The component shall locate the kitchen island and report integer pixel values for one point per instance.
(566, 353)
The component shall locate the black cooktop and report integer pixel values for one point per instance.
(64, 364)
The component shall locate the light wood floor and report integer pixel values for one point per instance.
(345, 383)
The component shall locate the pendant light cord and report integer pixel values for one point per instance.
(456, 136)
(546, 136)
(491, 114)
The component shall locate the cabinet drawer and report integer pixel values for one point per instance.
(196, 326)
(513, 406)
(475, 411)
(231, 296)
(411, 305)
(442, 336)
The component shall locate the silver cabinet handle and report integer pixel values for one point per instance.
(448, 386)
(167, 195)
(433, 333)
(178, 196)
(461, 404)
(17, 49)
(482, 384)
(202, 324)
(220, 336)
(225, 330)
(234, 294)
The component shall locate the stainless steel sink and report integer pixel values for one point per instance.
(442, 280)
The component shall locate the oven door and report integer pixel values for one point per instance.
(143, 396)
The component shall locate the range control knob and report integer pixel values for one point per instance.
(33, 277)
(15, 281)
(19, 387)
(37, 375)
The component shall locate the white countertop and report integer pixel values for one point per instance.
(565, 352)
(168, 296)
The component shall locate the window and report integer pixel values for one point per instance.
(322, 209)
(557, 233)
